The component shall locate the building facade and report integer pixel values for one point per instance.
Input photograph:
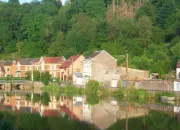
(50, 64)
(101, 66)
(71, 66)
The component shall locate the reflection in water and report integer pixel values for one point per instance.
(108, 114)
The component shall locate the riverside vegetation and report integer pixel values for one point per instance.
(148, 30)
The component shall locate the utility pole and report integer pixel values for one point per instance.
(32, 79)
(72, 84)
(127, 81)
(72, 69)
(127, 84)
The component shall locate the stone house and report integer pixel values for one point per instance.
(102, 67)
(71, 66)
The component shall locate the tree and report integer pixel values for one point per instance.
(45, 77)
(36, 75)
(147, 9)
(175, 53)
(94, 92)
(82, 33)
(13, 1)
(168, 7)
(144, 31)
(61, 22)
(58, 47)
(6, 125)
(142, 62)
(45, 99)
(95, 8)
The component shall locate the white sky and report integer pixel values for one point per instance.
(27, 1)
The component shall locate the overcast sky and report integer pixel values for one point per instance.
(27, 1)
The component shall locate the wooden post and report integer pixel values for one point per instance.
(127, 91)
(127, 81)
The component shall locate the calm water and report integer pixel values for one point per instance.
(108, 114)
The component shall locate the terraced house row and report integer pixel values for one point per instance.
(100, 66)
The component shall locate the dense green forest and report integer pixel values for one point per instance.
(148, 30)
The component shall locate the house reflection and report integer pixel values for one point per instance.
(104, 114)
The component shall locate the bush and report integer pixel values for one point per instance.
(159, 94)
(94, 92)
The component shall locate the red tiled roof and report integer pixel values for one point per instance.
(52, 59)
(69, 61)
(69, 113)
(51, 113)
(36, 61)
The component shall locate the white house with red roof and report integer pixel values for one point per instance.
(70, 67)
(51, 64)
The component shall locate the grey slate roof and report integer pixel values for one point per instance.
(78, 104)
(8, 63)
(25, 109)
(78, 74)
(2, 66)
(94, 54)
(25, 61)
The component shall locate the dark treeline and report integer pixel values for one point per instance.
(148, 30)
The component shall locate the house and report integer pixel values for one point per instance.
(177, 85)
(50, 64)
(71, 68)
(22, 66)
(2, 70)
(77, 78)
(178, 70)
(36, 65)
(177, 81)
(10, 68)
(101, 66)
(72, 107)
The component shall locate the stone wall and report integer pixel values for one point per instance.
(133, 74)
(159, 85)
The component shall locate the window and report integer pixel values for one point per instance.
(117, 71)
(7, 69)
(50, 67)
(81, 62)
(106, 71)
(114, 83)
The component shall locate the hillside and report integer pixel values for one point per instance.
(148, 30)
